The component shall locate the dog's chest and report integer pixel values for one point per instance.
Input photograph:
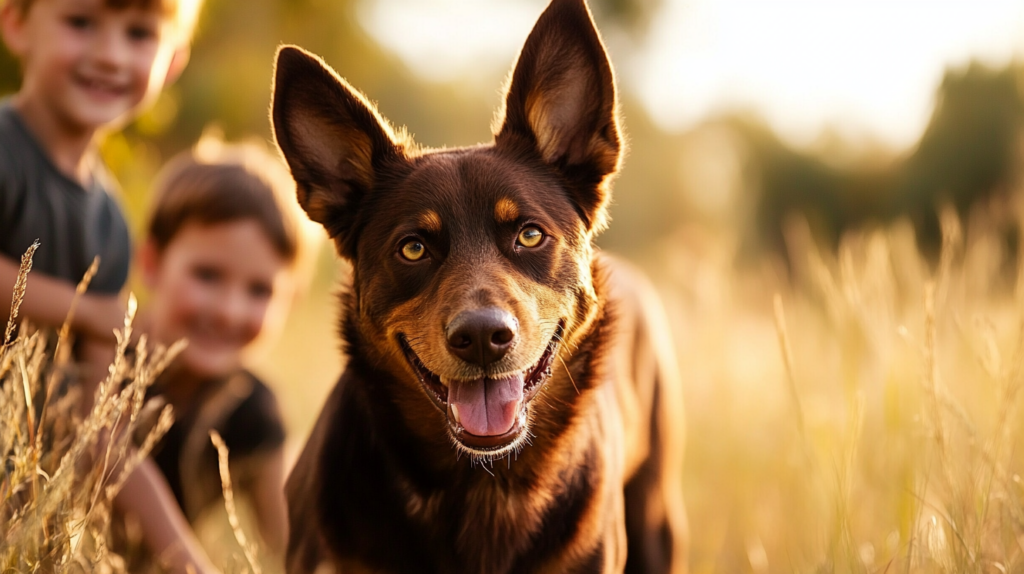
(475, 523)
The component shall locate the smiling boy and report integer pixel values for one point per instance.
(87, 66)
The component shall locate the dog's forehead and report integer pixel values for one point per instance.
(448, 187)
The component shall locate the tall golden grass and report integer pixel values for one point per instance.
(856, 410)
(61, 470)
(859, 412)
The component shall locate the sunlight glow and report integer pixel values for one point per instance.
(867, 68)
(447, 40)
(869, 65)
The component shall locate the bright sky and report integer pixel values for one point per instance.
(865, 67)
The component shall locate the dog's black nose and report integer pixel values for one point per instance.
(482, 336)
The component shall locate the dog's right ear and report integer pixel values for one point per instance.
(561, 102)
(332, 138)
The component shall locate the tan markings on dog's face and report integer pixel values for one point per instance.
(537, 308)
(506, 211)
(474, 262)
(430, 221)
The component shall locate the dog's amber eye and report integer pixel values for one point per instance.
(413, 250)
(530, 237)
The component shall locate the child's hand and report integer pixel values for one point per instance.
(94, 359)
(95, 320)
(98, 316)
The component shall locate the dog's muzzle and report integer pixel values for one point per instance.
(487, 414)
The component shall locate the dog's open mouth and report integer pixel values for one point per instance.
(486, 414)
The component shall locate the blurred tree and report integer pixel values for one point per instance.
(631, 15)
(793, 182)
(646, 203)
(970, 150)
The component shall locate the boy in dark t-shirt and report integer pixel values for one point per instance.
(244, 411)
(219, 258)
(73, 221)
(85, 67)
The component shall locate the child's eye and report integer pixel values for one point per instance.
(261, 290)
(141, 32)
(206, 274)
(78, 22)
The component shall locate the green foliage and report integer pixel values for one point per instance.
(969, 152)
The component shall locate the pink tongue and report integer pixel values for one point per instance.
(487, 407)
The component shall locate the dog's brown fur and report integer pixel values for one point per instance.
(591, 481)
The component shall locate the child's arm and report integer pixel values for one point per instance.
(267, 491)
(165, 530)
(48, 300)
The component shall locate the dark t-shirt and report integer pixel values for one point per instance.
(245, 413)
(73, 223)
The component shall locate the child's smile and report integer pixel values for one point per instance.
(97, 65)
(101, 89)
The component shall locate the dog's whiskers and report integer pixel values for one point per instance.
(547, 398)
(571, 380)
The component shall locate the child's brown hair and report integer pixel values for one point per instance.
(221, 183)
(183, 13)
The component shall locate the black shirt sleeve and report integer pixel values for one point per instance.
(256, 423)
(10, 192)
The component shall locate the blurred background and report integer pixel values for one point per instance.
(828, 194)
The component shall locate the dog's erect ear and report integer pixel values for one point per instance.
(332, 138)
(561, 100)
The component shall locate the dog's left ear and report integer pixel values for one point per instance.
(561, 100)
(333, 139)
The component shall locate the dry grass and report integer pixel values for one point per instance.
(857, 414)
(842, 416)
(864, 418)
(61, 471)
(250, 550)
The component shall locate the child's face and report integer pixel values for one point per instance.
(86, 65)
(213, 285)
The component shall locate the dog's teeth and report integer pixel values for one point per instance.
(455, 414)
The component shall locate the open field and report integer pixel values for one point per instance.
(851, 408)
(858, 413)
(861, 416)
(886, 441)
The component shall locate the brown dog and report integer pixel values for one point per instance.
(510, 402)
